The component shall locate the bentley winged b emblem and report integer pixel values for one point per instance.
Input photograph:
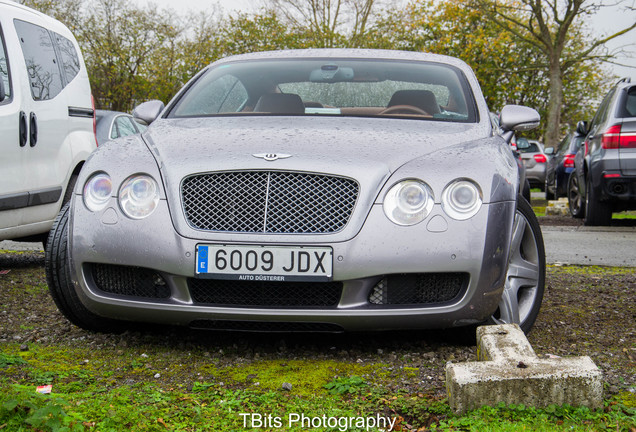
(271, 156)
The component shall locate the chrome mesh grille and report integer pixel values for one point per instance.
(268, 202)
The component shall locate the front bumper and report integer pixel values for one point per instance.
(475, 251)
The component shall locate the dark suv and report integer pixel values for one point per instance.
(561, 162)
(606, 167)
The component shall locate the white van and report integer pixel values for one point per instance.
(46, 120)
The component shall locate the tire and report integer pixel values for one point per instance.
(58, 278)
(525, 277)
(597, 213)
(67, 197)
(575, 200)
(526, 191)
(549, 196)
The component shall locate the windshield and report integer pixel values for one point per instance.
(332, 87)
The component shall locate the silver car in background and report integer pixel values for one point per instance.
(535, 161)
(309, 190)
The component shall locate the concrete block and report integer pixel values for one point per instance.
(509, 371)
(559, 207)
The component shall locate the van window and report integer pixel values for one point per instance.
(41, 63)
(4, 69)
(69, 57)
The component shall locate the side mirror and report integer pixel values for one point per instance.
(147, 112)
(3, 95)
(518, 118)
(582, 128)
(549, 151)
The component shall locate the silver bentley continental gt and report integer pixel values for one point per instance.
(306, 190)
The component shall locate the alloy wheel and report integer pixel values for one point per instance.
(525, 278)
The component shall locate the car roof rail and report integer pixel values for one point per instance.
(625, 80)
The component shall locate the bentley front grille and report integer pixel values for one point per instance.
(268, 202)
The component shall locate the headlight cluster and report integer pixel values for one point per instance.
(138, 196)
(410, 201)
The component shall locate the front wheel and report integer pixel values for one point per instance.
(58, 278)
(525, 278)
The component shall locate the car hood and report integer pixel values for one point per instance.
(338, 146)
(374, 152)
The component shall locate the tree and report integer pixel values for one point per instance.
(328, 23)
(260, 32)
(509, 69)
(119, 42)
(551, 26)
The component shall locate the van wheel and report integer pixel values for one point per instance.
(525, 278)
(58, 278)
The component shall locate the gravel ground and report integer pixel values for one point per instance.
(586, 311)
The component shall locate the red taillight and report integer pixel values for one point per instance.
(540, 158)
(614, 138)
(611, 137)
(94, 120)
(611, 175)
(627, 140)
(568, 160)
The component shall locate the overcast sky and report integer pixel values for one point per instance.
(607, 20)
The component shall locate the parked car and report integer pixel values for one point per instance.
(561, 163)
(605, 170)
(115, 124)
(525, 188)
(306, 190)
(46, 120)
(534, 161)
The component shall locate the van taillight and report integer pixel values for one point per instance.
(94, 120)
(568, 160)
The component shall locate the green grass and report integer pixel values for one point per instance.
(146, 382)
(90, 394)
(539, 211)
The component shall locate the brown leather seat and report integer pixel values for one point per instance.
(280, 103)
(422, 99)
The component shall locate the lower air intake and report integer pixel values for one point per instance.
(129, 281)
(419, 289)
(265, 326)
(265, 294)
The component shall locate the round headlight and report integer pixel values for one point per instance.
(139, 196)
(408, 202)
(461, 199)
(97, 191)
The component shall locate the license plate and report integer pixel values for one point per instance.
(264, 263)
